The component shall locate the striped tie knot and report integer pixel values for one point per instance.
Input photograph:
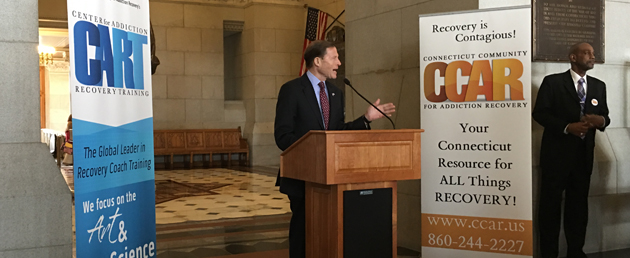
(581, 93)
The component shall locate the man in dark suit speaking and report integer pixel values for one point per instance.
(310, 103)
(570, 106)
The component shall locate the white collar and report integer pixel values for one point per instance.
(576, 77)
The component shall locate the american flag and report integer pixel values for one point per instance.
(316, 22)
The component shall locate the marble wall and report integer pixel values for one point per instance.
(189, 84)
(273, 38)
(35, 202)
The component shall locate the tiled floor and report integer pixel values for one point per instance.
(221, 213)
(214, 194)
(230, 213)
(624, 253)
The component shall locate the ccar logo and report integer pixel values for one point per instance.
(503, 72)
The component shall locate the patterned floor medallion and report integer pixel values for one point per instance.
(169, 190)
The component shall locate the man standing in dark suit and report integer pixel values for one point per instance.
(570, 106)
(310, 103)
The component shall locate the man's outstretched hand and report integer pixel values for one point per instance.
(372, 114)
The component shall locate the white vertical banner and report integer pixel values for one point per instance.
(112, 117)
(475, 76)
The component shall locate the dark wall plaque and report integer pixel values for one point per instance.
(558, 24)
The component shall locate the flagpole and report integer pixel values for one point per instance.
(336, 18)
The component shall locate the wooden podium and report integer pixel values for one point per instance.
(351, 188)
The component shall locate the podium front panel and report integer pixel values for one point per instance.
(364, 157)
(348, 157)
(367, 223)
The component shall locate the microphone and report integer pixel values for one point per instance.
(347, 82)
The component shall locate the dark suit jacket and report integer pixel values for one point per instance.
(558, 105)
(297, 112)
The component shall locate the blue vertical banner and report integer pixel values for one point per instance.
(110, 82)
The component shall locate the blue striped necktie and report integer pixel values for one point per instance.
(581, 95)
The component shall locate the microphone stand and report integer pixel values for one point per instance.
(347, 82)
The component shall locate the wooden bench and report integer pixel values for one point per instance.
(190, 142)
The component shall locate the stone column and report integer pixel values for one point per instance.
(35, 203)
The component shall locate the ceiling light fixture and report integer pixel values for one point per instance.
(45, 54)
